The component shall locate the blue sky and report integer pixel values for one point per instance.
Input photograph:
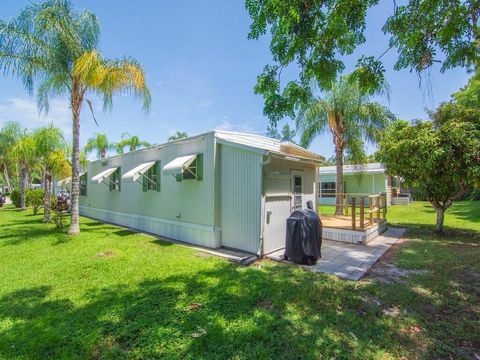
(201, 69)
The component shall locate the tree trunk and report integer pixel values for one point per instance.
(7, 178)
(103, 154)
(47, 183)
(440, 218)
(74, 196)
(339, 187)
(23, 185)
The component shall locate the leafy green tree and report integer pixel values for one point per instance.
(57, 46)
(133, 142)
(315, 36)
(10, 133)
(100, 144)
(50, 147)
(24, 154)
(439, 157)
(287, 133)
(469, 96)
(347, 112)
(311, 34)
(178, 135)
(425, 32)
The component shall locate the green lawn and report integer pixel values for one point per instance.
(111, 293)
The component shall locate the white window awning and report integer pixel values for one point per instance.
(99, 178)
(68, 180)
(179, 164)
(137, 172)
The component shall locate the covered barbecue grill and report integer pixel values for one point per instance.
(304, 236)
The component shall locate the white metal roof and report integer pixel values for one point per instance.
(253, 142)
(353, 169)
(134, 174)
(103, 175)
(264, 143)
(179, 164)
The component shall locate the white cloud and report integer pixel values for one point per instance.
(25, 112)
(227, 124)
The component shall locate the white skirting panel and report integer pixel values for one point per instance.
(403, 200)
(353, 236)
(202, 235)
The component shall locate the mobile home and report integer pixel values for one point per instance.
(218, 189)
(369, 179)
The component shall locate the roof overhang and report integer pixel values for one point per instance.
(137, 172)
(99, 178)
(179, 164)
(290, 157)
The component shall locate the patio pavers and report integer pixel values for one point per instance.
(350, 261)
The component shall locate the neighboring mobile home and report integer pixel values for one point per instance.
(218, 189)
(369, 179)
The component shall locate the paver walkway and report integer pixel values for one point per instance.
(350, 261)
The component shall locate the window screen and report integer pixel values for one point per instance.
(328, 189)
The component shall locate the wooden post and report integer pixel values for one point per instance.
(345, 200)
(353, 212)
(370, 215)
(362, 213)
(377, 205)
(384, 197)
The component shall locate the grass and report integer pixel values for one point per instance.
(111, 293)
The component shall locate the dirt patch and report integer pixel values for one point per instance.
(266, 304)
(105, 254)
(386, 272)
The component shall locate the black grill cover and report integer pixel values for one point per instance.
(304, 237)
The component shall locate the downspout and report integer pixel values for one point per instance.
(262, 203)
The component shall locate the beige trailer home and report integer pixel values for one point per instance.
(218, 189)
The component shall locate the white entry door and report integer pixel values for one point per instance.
(278, 203)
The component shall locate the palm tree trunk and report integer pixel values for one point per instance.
(23, 185)
(103, 154)
(74, 223)
(47, 183)
(339, 187)
(7, 177)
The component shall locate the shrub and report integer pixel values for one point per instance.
(59, 208)
(15, 198)
(34, 198)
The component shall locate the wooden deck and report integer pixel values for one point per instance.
(343, 222)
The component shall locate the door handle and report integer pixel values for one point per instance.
(269, 213)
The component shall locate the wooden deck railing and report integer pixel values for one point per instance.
(365, 215)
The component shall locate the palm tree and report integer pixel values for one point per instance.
(9, 135)
(132, 142)
(57, 46)
(178, 135)
(350, 116)
(50, 148)
(99, 143)
(24, 153)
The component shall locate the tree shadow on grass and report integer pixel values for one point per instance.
(279, 312)
(466, 210)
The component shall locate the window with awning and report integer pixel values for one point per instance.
(110, 177)
(189, 167)
(148, 174)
